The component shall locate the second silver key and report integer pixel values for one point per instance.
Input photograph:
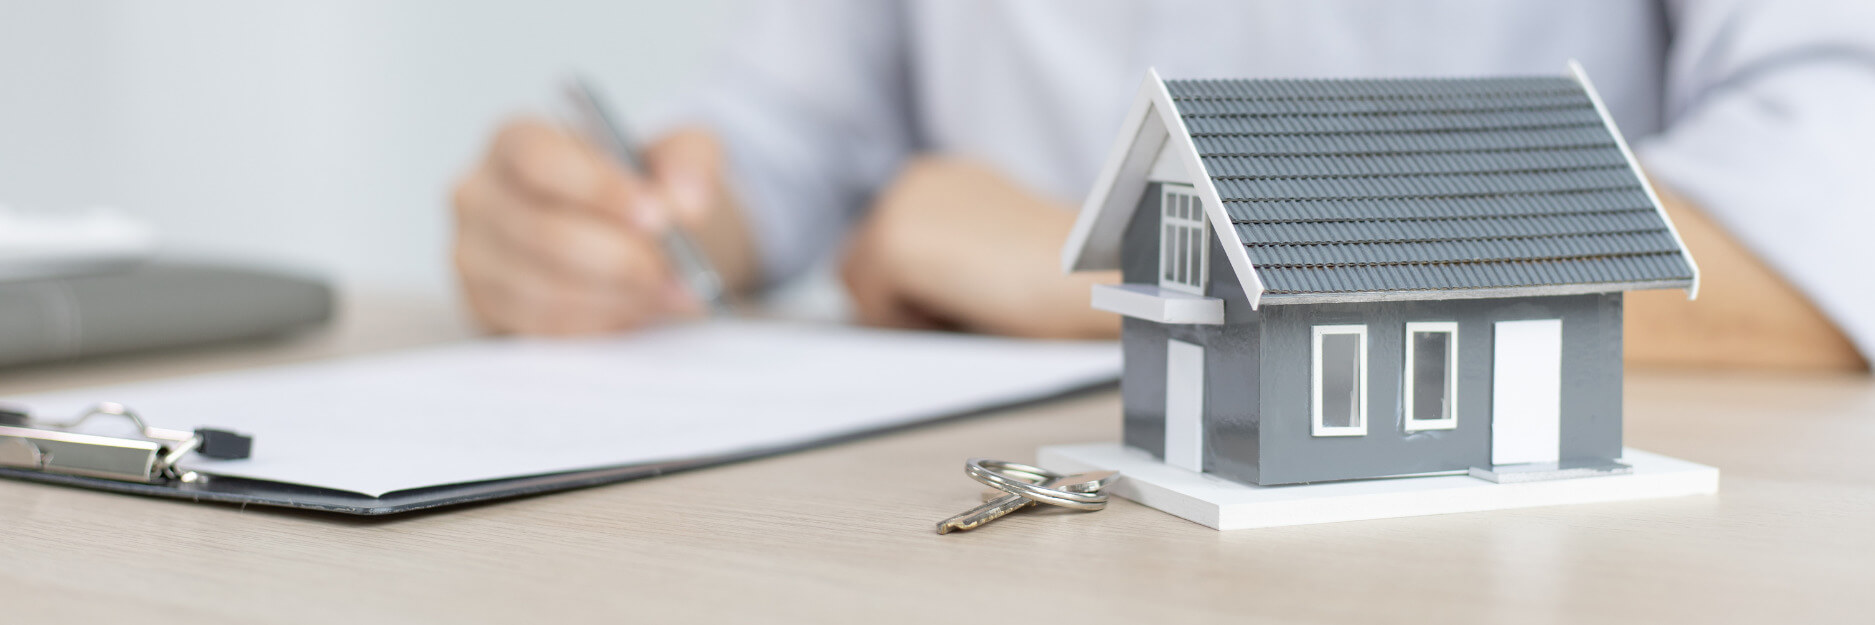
(1001, 506)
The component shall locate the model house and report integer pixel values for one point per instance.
(1337, 279)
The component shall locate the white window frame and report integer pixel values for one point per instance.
(1315, 382)
(1175, 228)
(1450, 422)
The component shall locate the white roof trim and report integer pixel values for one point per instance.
(1581, 77)
(1094, 243)
(1234, 249)
(1547, 290)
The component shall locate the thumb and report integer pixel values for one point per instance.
(687, 167)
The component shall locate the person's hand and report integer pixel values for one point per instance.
(1747, 315)
(553, 237)
(953, 245)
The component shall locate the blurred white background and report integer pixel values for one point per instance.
(317, 135)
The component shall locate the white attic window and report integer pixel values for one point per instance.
(1184, 240)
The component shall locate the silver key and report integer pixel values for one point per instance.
(1001, 506)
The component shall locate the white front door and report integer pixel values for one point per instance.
(1526, 392)
(1184, 405)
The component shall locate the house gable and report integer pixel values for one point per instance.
(1152, 128)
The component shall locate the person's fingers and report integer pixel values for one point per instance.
(513, 294)
(547, 314)
(485, 279)
(543, 161)
(685, 166)
(553, 237)
(484, 305)
(509, 287)
(506, 294)
(578, 244)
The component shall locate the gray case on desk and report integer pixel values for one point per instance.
(152, 306)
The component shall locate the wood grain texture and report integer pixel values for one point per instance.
(844, 534)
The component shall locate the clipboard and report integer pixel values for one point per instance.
(147, 465)
(484, 419)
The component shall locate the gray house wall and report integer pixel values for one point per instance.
(1231, 365)
(1591, 386)
(1257, 380)
(1142, 343)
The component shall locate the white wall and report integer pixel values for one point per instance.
(315, 134)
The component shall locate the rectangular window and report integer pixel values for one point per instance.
(1167, 258)
(1185, 237)
(1339, 381)
(1431, 375)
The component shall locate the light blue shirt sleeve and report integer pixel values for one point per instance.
(1764, 117)
(812, 106)
(1770, 127)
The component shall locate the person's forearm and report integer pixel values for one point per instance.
(1746, 314)
(954, 244)
(1082, 320)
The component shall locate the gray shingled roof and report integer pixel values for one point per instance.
(1354, 186)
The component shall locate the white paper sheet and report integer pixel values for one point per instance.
(507, 408)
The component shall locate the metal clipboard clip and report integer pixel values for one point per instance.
(151, 457)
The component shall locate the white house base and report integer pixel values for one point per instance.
(1226, 505)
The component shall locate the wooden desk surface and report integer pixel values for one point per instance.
(845, 533)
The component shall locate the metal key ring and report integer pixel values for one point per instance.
(1007, 469)
(1040, 494)
(991, 473)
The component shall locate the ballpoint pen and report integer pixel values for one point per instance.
(599, 127)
